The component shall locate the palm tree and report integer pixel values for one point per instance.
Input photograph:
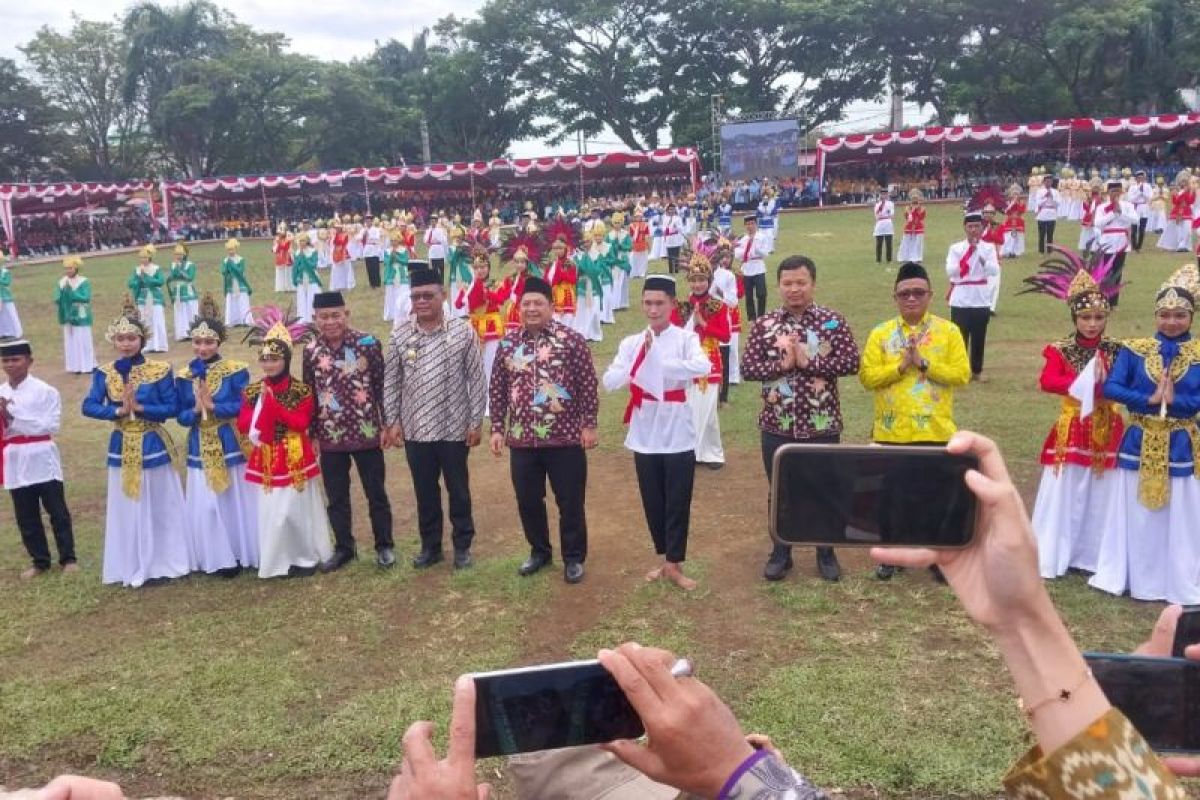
(162, 43)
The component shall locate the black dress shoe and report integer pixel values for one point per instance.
(385, 557)
(302, 572)
(777, 568)
(462, 559)
(426, 559)
(885, 572)
(339, 559)
(532, 565)
(573, 572)
(827, 564)
(229, 572)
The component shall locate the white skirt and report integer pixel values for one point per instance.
(769, 236)
(1156, 221)
(1176, 236)
(78, 348)
(185, 312)
(237, 309)
(304, 301)
(145, 538)
(157, 322)
(1154, 555)
(706, 423)
(391, 296)
(658, 248)
(1087, 238)
(1014, 245)
(283, 279)
(587, 317)
(620, 290)
(293, 529)
(401, 306)
(341, 276)
(1069, 518)
(638, 262)
(735, 361)
(224, 527)
(912, 248)
(10, 323)
(607, 305)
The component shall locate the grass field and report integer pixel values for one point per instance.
(213, 688)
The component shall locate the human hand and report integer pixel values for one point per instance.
(1168, 394)
(397, 434)
(648, 340)
(800, 351)
(995, 577)
(496, 443)
(474, 437)
(787, 353)
(694, 741)
(1160, 388)
(74, 787)
(422, 776)
(589, 438)
(1160, 645)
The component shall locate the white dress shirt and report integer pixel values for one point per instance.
(36, 410)
(885, 214)
(1046, 203)
(724, 286)
(1111, 224)
(372, 242)
(751, 253)
(1139, 196)
(435, 239)
(971, 290)
(672, 226)
(670, 365)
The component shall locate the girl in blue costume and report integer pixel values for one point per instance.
(1152, 547)
(221, 506)
(145, 531)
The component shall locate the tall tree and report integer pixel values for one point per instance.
(83, 73)
(32, 145)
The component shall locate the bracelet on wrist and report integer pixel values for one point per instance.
(1062, 696)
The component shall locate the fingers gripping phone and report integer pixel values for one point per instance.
(550, 706)
(1160, 696)
(1187, 630)
(872, 496)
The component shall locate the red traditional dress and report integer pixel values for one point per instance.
(409, 240)
(1078, 457)
(513, 287)
(341, 243)
(709, 318)
(562, 275)
(282, 248)
(483, 306)
(639, 254)
(1087, 235)
(912, 244)
(1177, 235)
(1014, 227)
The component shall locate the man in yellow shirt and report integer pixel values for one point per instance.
(913, 363)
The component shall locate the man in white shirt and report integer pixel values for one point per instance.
(970, 264)
(30, 467)
(1113, 220)
(750, 251)
(372, 248)
(673, 239)
(885, 213)
(1139, 195)
(1046, 204)
(436, 240)
(657, 365)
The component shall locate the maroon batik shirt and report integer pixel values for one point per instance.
(543, 389)
(801, 403)
(347, 383)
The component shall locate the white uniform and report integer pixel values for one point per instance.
(1046, 203)
(971, 290)
(1111, 225)
(1139, 195)
(36, 409)
(885, 212)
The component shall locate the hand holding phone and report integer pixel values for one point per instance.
(1160, 696)
(422, 776)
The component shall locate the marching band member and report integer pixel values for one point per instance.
(1113, 220)
(884, 211)
(1140, 195)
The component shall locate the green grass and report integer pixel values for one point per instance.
(301, 688)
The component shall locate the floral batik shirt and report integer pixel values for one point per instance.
(543, 389)
(348, 384)
(801, 403)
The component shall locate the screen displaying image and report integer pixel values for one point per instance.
(760, 149)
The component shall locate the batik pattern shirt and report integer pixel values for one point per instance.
(434, 386)
(801, 403)
(543, 389)
(347, 382)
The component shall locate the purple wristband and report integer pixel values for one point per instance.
(743, 768)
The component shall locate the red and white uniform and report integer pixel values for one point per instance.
(885, 212)
(709, 320)
(1087, 236)
(1014, 229)
(1112, 221)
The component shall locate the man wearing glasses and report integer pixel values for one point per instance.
(913, 363)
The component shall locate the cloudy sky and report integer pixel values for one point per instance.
(338, 30)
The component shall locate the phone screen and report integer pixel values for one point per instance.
(1158, 695)
(1187, 630)
(548, 707)
(872, 496)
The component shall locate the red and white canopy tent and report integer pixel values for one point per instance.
(459, 176)
(1061, 134)
(21, 199)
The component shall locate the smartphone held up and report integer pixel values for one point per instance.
(872, 496)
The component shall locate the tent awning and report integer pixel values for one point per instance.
(41, 198)
(971, 139)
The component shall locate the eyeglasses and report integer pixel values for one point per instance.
(912, 294)
(415, 296)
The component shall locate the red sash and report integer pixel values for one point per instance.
(964, 263)
(746, 252)
(637, 394)
(15, 440)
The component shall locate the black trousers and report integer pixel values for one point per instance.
(566, 468)
(373, 271)
(665, 482)
(770, 443)
(428, 462)
(1118, 268)
(973, 324)
(883, 242)
(335, 474)
(438, 265)
(1045, 234)
(756, 295)
(1139, 233)
(50, 496)
(724, 395)
(673, 259)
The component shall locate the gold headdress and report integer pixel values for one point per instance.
(208, 324)
(274, 333)
(1179, 290)
(232, 245)
(618, 219)
(128, 322)
(147, 252)
(302, 238)
(73, 261)
(915, 194)
(699, 266)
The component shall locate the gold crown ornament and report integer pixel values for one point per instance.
(180, 250)
(123, 325)
(1084, 294)
(232, 245)
(1179, 290)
